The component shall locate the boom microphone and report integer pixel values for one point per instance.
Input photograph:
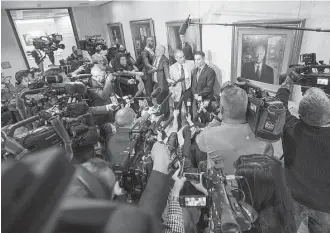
(184, 26)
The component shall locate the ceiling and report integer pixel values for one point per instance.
(21, 4)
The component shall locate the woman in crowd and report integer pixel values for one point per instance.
(265, 190)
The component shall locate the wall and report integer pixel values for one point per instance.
(9, 48)
(217, 40)
(88, 21)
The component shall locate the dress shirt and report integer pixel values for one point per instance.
(200, 71)
(187, 75)
(174, 218)
(156, 63)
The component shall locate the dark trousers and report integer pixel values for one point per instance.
(148, 84)
(165, 109)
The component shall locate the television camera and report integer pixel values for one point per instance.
(311, 74)
(92, 44)
(226, 211)
(70, 127)
(134, 173)
(48, 44)
(265, 114)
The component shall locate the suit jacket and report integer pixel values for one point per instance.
(175, 74)
(187, 51)
(148, 60)
(267, 73)
(204, 85)
(163, 73)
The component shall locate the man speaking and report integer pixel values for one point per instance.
(258, 70)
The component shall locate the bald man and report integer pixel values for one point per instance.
(116, 143)
(159, 79)
(258, 70)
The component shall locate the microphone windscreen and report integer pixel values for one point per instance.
(183, 28)
(75, 88)
(189, 102)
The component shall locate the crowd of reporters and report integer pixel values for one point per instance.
(212, 132)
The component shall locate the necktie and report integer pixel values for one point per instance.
(258, 71)
(183, 83)
(198, 73)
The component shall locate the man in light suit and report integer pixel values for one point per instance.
(159, 79)
(203, 79)
(182, 69)
(258, 70)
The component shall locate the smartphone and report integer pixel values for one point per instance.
(193, 201)
(193, 177)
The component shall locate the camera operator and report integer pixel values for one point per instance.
(74, 55)
(101, 171)
(22, 80)
(234, 137)
(306, 150)
(265, 190)
(146, 217)
(117, 142)
(130, 85)
(103, 83)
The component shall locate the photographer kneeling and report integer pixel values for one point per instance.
(306, 151)
(225, 143)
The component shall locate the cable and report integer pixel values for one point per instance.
(264, 26)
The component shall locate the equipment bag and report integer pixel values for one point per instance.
(266, 118)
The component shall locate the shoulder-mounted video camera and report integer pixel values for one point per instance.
(265, 114)
(92, 44)
(49, 43)
(311, 74)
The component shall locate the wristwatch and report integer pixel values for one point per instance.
(171, 198)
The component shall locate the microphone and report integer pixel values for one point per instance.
(232, 177)
(184, 26)
(189, 105)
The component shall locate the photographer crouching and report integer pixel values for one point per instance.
(306, 151)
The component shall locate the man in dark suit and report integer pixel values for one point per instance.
(258, 70)
(159, 78)
(203, 79)
(186, 48)
(148, 57)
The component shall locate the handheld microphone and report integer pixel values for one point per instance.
(189, 105)
(184, 26)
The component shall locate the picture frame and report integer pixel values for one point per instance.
(281, 48)
(116, 34)
(193, 38)
(141, 30)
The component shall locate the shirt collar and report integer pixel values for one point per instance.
(256, 65)
(201, 68)
(149, 49)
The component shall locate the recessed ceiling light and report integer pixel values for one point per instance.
(91, 0)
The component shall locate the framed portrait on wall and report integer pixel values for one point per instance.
(141, 30)
(263, 54)
(188, 43)
(116, 34)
